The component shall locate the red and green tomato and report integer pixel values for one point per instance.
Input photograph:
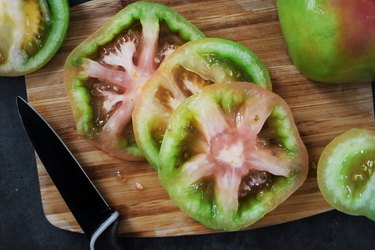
(330, 41)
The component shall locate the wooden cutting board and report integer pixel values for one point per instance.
(320, 111)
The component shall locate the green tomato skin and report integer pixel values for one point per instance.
(59, 10)
(343, 160)
(330, 41)
(123, 20)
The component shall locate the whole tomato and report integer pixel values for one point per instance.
(330, 41)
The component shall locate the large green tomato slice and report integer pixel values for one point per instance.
(184, 73)
(346, 172)
(31, 32)
(231, 154)
(105, 73)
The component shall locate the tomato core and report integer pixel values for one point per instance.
(219, 160)
(228, 151)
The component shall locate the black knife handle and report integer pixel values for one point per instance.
(105, 237)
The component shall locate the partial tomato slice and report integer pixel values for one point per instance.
(31, 32)
(231, 154)
(346, 172)
(190, 68)
(104, 74)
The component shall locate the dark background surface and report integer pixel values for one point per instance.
(24, 226)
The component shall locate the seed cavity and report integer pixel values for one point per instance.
(2, 58)
(255, 182)
(119, 47)
(189, 82)
(164, 52)
(158, 129)
(165, 97)
(357, 169)
(205, 189)
(37, 23)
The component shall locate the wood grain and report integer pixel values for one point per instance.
(320, 111)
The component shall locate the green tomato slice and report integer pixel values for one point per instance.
(190, 68)
(31, 32)
(346, 172)
(231, 154)
(105, 73)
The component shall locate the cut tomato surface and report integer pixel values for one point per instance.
(231, 154)
(186, 72)
(105, 73)
(31, 32)
(346, 172)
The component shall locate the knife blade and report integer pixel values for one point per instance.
(96, 218)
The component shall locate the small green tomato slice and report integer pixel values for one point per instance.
(346, 172)
(184, 73)
(31, 32)
(105, 73)
(231, 154)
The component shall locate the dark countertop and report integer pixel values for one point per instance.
(24, 226)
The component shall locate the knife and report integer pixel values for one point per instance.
(96, 218)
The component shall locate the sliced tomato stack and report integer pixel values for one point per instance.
(186, 72)
(226, 152)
